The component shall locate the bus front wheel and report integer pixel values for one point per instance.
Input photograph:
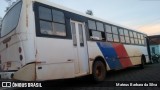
(99, 71)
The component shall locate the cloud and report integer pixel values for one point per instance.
(152, 29)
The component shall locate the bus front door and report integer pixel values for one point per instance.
(80, 48)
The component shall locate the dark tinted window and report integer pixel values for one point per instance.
(46, 27)
(114, 30)
(45, 13)
(92, 24)
(11, 19)
(55, 26)
(58, 16)
(59, 29)
(100, 26)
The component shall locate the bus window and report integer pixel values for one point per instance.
(140, 42)
(121, 31)
(132, 40)
(126, 32)
(135, 37)
(46, 27)
(100, 26)
(73, 27)
(59, 29)
(108, 28)
(139, 38)
(126, 36)
(115, 34)
(81, 34)
(131, 37)
(58, 16)
(135, 34)
(142, 36)
(116, 38)
(51, 25)
(109, 37)
(97, 33)
(136, 41)
(11, 19)
(109, 34)
(45, 13)
(131, 34)
(127, 39)
(92, 25)
(114, 30)
(122, 37)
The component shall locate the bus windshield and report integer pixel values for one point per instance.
(11, 19)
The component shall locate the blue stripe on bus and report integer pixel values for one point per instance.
(110, 55)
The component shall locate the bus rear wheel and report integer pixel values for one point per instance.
(99, 71)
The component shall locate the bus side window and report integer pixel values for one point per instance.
(109, 33)
(115, 34)
(139, 38)
(52, 22)
(131, 37)
(122, 37)
(127, 38)
(96, 30)
(135, 37)
(143, 39)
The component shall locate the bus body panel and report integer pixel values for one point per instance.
(45, 58)
(55, 58)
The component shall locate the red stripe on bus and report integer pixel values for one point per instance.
(122, 55)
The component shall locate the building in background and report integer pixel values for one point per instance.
(154, 44)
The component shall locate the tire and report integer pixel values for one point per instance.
(142, 62)
(99, 71)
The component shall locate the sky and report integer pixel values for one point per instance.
(141, 15)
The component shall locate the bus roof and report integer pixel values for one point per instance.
(79, 13)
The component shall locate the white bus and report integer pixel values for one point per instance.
(41, 41)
